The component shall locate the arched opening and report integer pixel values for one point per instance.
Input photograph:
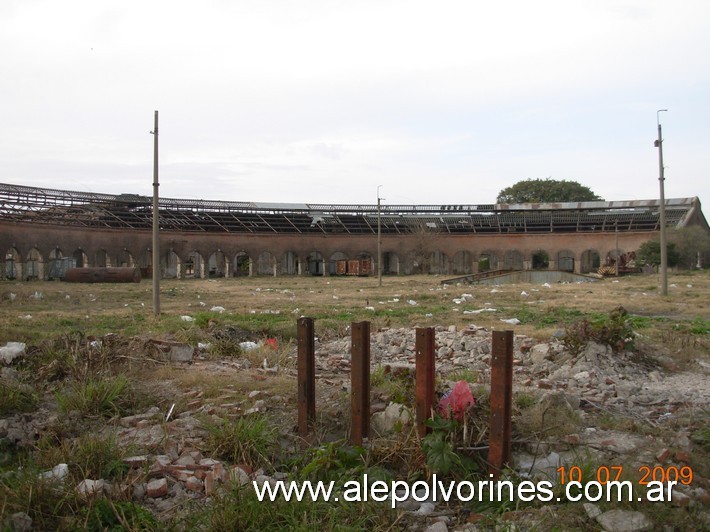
(217, 264)
(590, 261)
(81, 259)
(487, 261)
(390, 263)
(194, 266)
(172, 266)
(438, 263)
(565, 260)
(315, 263)
(13, 264)
(540, 260)
(125, 259)
(34, 265)
(461, 263)
(265, 264)
(338, 263)
(58, 264)
(513, 260)
(242, 264)
(290, 264)
(102, 259)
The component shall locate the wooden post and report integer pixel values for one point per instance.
(360, 382)
(501, 402)
(306, 375)
(424, 346)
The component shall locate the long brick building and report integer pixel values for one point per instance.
(43, 231)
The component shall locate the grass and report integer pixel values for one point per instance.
(16, 397)
(240, 507)
(250, 440)
(97, 396)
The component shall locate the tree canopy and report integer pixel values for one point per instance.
(546, 191)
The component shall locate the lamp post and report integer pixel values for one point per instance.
(379, 240)
(661, 179)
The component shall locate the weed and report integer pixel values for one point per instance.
(241, 508)
(98, 396)
(524, 400)
(251, 440)
(334, 461)
(17, 397)
(615, 329)
(105, 514)
(88, 456)
(44, 500)
(464, 374)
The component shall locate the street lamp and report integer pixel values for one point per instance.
(379, 240)
(661, 178)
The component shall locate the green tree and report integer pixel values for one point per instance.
(650, 253)
(691, 242)
(546, 191)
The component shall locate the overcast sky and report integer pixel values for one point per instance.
(315, 101)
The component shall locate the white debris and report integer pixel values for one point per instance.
(430, 315)
(547, 285)
(96, 344)
(27, 317)
(37, 295)
(58, 472)
(336, 297)
(13, 296)
(187, 318)
(412, 302)
(524, 294)
(248, 346)
(204, 346)
(512, 321)
(217, 308)
(203, 304)
(370, 308)
(11, 351)
(495, 290)
(487, 309)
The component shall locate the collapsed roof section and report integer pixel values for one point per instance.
(131, 211)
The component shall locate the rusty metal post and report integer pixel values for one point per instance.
(424, 346)
(306, 375)
(501, 402)
(360, 382)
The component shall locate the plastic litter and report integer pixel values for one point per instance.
(456, 401)
(11, 351)
(187, 318)
(512, 321)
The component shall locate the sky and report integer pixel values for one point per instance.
(315, 101)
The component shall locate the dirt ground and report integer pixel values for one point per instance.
(644, 406)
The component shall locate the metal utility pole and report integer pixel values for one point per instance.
(616, 245)
(379, 240)
(661, 179)
(156, 224)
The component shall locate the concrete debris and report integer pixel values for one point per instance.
(624, 521)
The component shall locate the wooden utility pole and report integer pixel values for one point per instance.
(156, 223)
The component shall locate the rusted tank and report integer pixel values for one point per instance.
(103, 275)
